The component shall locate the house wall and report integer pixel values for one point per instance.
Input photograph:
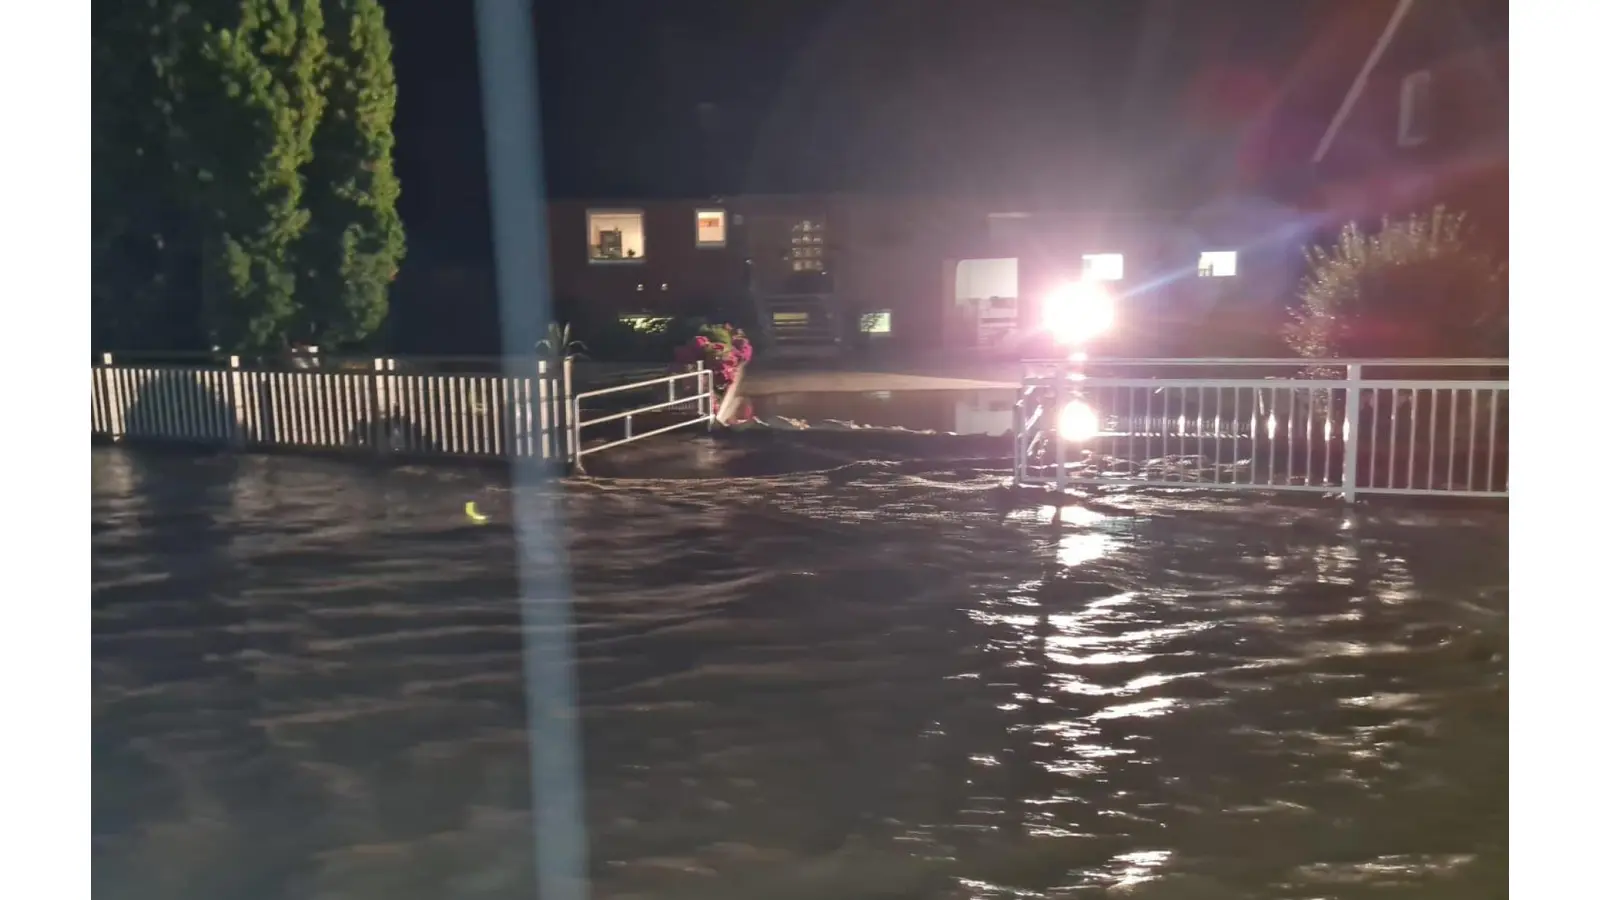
(893, 255)
(881, 253)
(899, 255)
(1164, 306)
(1463, 162)
(675, 276)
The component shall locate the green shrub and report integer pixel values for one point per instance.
(617, 340)
(1414, 288)
(558, 343)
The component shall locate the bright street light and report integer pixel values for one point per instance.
(1077, 422)
(1078, 312)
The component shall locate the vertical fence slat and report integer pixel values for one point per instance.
(1289, 430)
(283, 392)
(457, 415)
(1472, 436)
(437, 435)
(96, 413)
(306, 395)
(497, 409)
(1494, 435)
(294, 395)
(1450, 444)
(448, 415)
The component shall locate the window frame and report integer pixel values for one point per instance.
(883, 317)
(589, 235)
(1202, 272)
(710, 245)
(815, 256)
(1416, 102)
(1088, 267)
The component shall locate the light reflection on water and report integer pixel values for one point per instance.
(851, 684)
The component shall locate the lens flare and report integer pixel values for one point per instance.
(1078, 422)
(1078, 312)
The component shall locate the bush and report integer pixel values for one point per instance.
(620, 341)
(1414, 288)
(722, 347)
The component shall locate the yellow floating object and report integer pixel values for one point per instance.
(473, 514)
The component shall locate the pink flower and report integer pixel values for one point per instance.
(701, 340)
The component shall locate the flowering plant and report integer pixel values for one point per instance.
(723, 348)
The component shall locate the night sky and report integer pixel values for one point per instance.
(1032, 98)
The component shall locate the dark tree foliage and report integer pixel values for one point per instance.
(355, 243)
(1416, 287)
(210, 219)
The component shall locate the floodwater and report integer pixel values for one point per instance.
(980, 411)
(873, 682)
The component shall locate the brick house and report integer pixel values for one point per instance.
(1421, 117)
(923, 272)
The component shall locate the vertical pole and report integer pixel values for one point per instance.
(1018, 416)
(546, 422)
(570, 405)
(509, 76)
(702, 389)
(382, 434)
(1352, 429)
(115, 414)
(1057, 405)
(235, 400)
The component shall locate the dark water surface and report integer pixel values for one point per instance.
(982, 411)
(863, 683)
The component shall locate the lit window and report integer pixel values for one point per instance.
(1416, 103)
(1219, 263)
(710, 228)
(875, 322)
(1102, 266)
(807, 239)
(644, 322)
(791, 319)
(616, 236)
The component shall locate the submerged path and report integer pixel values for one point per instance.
(867, 682)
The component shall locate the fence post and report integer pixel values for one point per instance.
(544, 419)
(115, 414)
(1058, 403)
(702, 390)
(1352, 429)
(378, 402)
(235, 403)
(1018, 464)
(570, 396)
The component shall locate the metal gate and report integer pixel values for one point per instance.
(1350, 427)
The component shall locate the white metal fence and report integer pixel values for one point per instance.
(381, 406)
(682, 390)
(1413, 427)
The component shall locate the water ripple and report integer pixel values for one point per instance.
(872, 682)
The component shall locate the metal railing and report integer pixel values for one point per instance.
(372, 408)
(699, 380)
(1351, 427)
